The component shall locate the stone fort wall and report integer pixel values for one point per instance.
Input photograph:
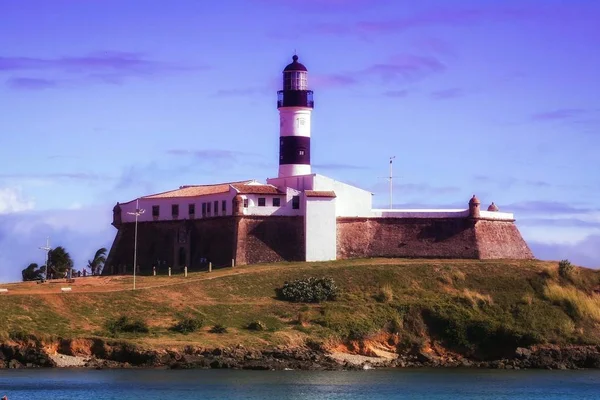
(256, 239)
(429, 238)
(194, 243)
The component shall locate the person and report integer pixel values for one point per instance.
(5, 398)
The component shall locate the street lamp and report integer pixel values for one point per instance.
(47, 249)
(137, 213)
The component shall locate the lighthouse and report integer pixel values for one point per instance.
(295, 104)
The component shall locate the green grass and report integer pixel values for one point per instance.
(471, 306)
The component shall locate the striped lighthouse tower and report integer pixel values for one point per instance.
(295, 103)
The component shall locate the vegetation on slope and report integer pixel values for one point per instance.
(483, 309)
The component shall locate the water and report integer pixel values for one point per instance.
(56, 384)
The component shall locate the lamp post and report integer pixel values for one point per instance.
(137, 213)
(47, 249)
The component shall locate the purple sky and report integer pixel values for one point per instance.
(104, 101)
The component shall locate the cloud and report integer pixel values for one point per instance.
(510, 181)
(325, 6)
(434, 17)
(434, 46)
(243, 92)
(585, 252)
(446, 94)
(337, 167)
(549, 207)
(560, 222)
(404, 67)
(107, 67)
(81, 231)
(79, 176)
(31, 83)
(560, 114)
(12, 201)
(333, 80)
(414, 188)
(396, 93)
(210, 155)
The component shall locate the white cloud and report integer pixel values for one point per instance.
(585, 252)
(12, 200)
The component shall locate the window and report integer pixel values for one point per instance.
(204, 209)
(245, 203)
(192, 209)
(155, 211)
(295, 80)
(276, 202)
(262, 202)
(216, 207)
(224, 206)
(208, 207)
(175, 210)
(296, 202)
(301, 152)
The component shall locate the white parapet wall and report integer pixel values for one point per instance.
(439, 213)
(497, 215)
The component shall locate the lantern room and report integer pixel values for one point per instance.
(295, 91)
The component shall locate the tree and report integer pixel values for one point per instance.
(59, 262)
(97, 263)
(32, 272)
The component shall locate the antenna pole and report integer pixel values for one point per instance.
(391, 183)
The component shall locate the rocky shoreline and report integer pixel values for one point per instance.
(100, 354)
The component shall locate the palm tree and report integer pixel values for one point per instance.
(59, 262)
(97, 263)
(32, 272)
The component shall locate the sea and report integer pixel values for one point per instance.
(129, 384)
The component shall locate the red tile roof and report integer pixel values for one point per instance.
(196, 190)
(320, 193)
(256, 189)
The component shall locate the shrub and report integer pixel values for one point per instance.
(310, 290)
(386, 294)
(257, 326)
(395, 325)
(124, 324)
(565, 269)
(218, 328)
(20, 336)
(188, 325)
(462, 331)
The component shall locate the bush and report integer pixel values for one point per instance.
(188, 325)
(257, 326)
(311, 290)
(218, 329)
(565, 269)
(386, 294)
(124, 324)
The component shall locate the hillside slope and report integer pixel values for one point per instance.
(482, 310)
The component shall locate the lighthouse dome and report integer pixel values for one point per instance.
(295, 65)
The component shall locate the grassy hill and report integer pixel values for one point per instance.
(477, 308)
